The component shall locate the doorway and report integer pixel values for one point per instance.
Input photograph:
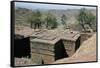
(59, 50)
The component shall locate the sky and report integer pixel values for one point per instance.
(48, 6)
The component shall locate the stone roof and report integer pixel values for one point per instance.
(23, 31)
(52, 36)
(46, 36)
(70, 35)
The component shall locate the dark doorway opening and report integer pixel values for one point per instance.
(59, 50)
(21, 46)
(77, 43)
(42, 62)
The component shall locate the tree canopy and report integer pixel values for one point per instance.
(85, 17)
(50, 21)
(35, 20)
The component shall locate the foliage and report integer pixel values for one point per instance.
(35, 20)
(63, 19)
(90, 19)
(50, 21)
(86, 18)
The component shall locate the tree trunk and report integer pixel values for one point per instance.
(31, 25)
(83, 26)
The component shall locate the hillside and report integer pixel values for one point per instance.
(22, 14)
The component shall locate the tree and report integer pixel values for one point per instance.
(86, 18)
(63, 19)
(35, 20)
(90, 19)
(30, 20)
(82, 17)
(50, 21)
(54, 23)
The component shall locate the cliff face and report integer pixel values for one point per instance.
(86, 52)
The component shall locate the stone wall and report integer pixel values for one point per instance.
(69, 46)
(49, 47)
(47, 53)
(42, 53)
(85, 36)
(42, 58)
